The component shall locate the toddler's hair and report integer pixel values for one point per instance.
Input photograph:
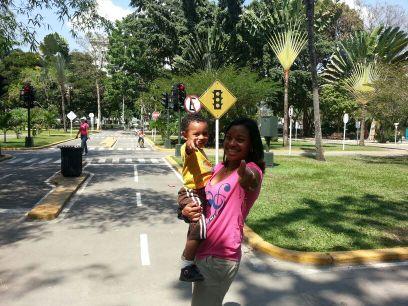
(185, 122)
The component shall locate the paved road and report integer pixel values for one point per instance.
(117, 243)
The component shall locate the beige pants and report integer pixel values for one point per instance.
(218, 274)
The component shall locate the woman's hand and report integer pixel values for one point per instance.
(192, 212)
(248, 178)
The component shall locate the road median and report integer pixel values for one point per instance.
(52, 204)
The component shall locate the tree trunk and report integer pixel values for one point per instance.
(98, 100)
(63, 107)
(362, 126)
(286, 110)
(312, 54)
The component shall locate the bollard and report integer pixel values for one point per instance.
(178, 150)
(268, 157)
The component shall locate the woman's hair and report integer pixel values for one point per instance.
(256, 152)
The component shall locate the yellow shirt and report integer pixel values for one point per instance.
(197, 170)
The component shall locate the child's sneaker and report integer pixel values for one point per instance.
(191, 273)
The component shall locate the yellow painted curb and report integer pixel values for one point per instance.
(157, 147)
(52, 204)
(328, 258)
(174, 164)
(37, 148)
(109, 142)
(5, 157)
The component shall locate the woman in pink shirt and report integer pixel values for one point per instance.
(84, 131)
(231, 192)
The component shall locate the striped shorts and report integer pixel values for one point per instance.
(197, 230)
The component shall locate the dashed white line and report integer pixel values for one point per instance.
(155, 161)
(138, 199)
(144, 250)
(13, 161)
(136, 175)
(101, 160)
(128, 160)
(29, 160)
(45, 161)
(141, 160)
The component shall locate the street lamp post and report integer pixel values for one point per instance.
(396, 131)
(290, 129)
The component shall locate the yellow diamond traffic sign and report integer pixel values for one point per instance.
(217, 99)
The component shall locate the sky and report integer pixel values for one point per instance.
(117, 9)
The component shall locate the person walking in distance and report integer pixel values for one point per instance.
(140, 140)
(231, 191)
(196, 172)
(84, 131)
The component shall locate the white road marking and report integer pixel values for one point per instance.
(76, 196)
(136, 175)
(141, 160)
(137, 149)
(144, 250)
(13, 211)
(174, 170)
(4, 176)
(101, 148)
(120, 149)
(29, 161)
(57, 161)
(45, 161)
(16, 160)
(128, 160)
(138, 199)
(101, 160)
(155, 160)
(115, 160)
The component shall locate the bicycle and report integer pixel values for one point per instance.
(141, 142)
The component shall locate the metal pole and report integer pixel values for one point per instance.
(217, 140)
(179, 129)
(357, 135)
(123, 112)
(290, 136)
(71, 126)
(296, 130)
(168, 131)
(344, 135)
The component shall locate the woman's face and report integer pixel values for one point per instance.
(237, 143)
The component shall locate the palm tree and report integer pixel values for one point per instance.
(355, 64)
(283, 25)
(61, 78)
(315, 87)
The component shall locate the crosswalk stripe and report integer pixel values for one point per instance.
(100, 148)
(115, 160)
(45, 161)
(141, 160)
(120, 149)
(56, 161)
(16, 160)
(101, 160)
(29, 161)
(155, 161)
(128, 160)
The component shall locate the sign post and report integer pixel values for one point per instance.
(91, 115)
(345, 120)
(155, 116)
(290, 129)
(217, 99)
(357, 127)
(396, 131)
(71, 116)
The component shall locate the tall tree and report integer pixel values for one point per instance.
(313, 64)
(60, 74)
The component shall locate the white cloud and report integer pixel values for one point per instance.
(111, 11)
(359, 6)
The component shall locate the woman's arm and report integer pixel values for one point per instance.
(248, 178)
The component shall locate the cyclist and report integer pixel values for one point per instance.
(141, 138)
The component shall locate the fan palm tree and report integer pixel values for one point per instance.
(283, 26)
(355, 64)
(61, 79)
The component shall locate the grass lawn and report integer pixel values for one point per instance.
(39, 140)
(309, 146)
(346, 203)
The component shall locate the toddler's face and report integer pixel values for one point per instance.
(198, 132)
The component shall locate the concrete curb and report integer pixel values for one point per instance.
(5, 157)
(109, 142)
(52, 204)
(37, 148)
(325, 258)
(157, 147)
(317, 258)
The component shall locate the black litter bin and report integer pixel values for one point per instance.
(71, 161)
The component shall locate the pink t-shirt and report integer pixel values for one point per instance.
(225, 214)
(83, 128)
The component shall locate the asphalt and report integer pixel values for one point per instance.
(118, 242)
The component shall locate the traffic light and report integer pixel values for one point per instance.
(27, 95)
(181, 94)
(174, 98)
(165, 100)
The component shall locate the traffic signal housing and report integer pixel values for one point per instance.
(165, 100)
(27, 95)
(181, 94)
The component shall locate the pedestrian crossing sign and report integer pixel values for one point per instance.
(217, 99)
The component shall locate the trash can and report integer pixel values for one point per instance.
(71, 161)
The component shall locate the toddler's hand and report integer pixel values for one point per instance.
(191, 146)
